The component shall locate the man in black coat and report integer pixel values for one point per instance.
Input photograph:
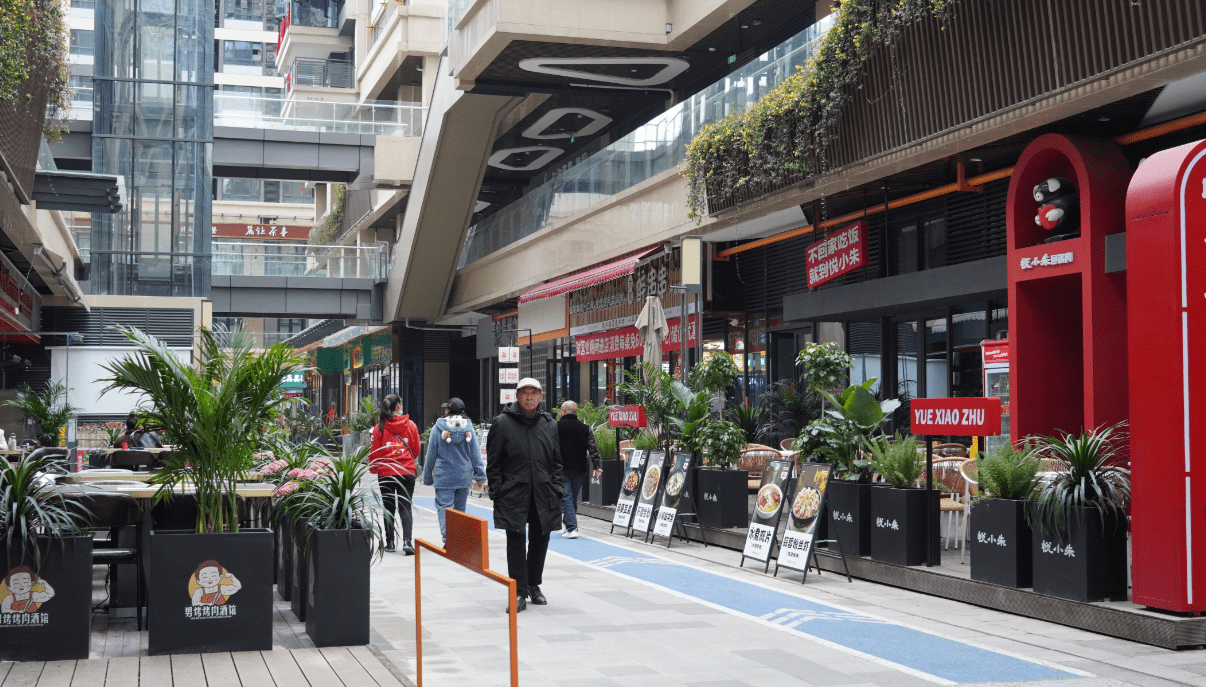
(523, 469)
(579, 457)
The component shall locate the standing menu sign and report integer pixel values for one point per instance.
(768, 508)
(650, 491)
(629, 488)
(676, 484)
(808, 503)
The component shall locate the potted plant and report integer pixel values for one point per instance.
(209, 588)
(1078, 516)
(843, 435)
(604, 490)
(342, 539)
(720, 491)
(1001, 548)
(46, 410)
(46, 581)
(287, 458)
(785, 410)
(898, 510)
(293, 531)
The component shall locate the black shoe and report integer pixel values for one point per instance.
(408, 548)
(537, 596)
(521, 604)
(389, 547)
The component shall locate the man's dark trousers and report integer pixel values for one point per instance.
(525, 563)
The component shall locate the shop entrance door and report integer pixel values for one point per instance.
(915, 347)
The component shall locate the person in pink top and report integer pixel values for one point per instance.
(392, 459)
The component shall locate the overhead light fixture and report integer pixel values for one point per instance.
(745, 26)
(711, 49)
(1103, 119)
(756, 22)
(975, 159)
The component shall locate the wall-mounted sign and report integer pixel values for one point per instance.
(378, 348)
(508, 354)
(626, 416)
(768, 509)
(839, 253)
(995, 351)
(508, 375)
(506, 396)
(653, 276)
(622, 343)
(1047, 260)
(807, 503)
(260, 232)
(964, 417)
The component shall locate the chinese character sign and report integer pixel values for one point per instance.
(622, 343)
(837, 254)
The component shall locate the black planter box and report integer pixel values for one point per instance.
(1000, 545)
(337, 592)
(898, 525)
(721, 497)
(53, 628)
(284, 558)
(184, 618)
(849, 519)
(604, 490)
(1095, 570)
(300, 573)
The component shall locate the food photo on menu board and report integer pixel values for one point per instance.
(650, 484)
(626, 503)
(803, 515)
(676, 484)
(768, 508)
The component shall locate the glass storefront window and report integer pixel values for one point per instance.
(934, 236)
(244, 190)
(936, 342)
(865, 346)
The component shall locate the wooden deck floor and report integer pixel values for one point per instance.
(356, 666)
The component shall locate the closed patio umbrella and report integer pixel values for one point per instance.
(652, 327)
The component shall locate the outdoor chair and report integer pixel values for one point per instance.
(113, 512)
(950, 450)
(626, 448)
(753, 461)
(788, 444)
(760, 447)
(970, 471)
(948, 477)
(135, 460)
(53, 459)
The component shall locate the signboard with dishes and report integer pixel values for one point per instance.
(768, 509)
(629, 490)
(651, 484)
(807, 504)
(676, 486)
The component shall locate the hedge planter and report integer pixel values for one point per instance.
(849, 505)
(210, 592)
(337, 591)
(898, 525)
(1086, 561)
(1000, 543)
(46, 610)
(298, 569)
(721, 497)
(605, 489)
(284, 558)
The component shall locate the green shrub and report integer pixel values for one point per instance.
(722, 443)
(605, 441)
(645, 441)
(896, 459)
(1009, 472)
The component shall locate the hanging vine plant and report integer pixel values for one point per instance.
(786, 135)
(33, 46)
(328, 231)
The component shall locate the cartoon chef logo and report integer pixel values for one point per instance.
(23, 591)
(212, 585)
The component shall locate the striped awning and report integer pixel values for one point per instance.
(596, 275)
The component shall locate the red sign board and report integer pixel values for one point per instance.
(841, 252)
(961, 417)
(260, 232)
(626, 416)
(995, 351)
(625, 342)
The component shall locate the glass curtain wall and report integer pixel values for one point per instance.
(153, 125)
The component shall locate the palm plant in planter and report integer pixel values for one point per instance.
(216, 412)
(898, 511)
(1001, 549)
(343, 537)
(841, 438)
(46, 410)
(46, 582)
(1078, 516)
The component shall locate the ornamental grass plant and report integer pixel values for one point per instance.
(32, 506)
(896, 459)
(1091, 471)
(341, 498)
(1009, 472)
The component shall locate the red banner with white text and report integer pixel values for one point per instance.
(621, 343)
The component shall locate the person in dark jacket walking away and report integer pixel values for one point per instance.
(523, 465)
(579, 456)
(392, 459)
(452, 462)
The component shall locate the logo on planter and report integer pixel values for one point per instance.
(843, 517)
(22, 594)
(1056, 548)
(887, 524)
(210, 588)
(982, 538)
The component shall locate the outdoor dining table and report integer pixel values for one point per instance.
(164, 449)
(86, 476)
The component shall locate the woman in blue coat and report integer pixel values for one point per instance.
(454, 460)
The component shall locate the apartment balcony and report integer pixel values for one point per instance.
(396, 43)
(310, 30)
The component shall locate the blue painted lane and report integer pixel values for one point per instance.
(945, 659)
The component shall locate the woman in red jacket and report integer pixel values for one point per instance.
(392, 460)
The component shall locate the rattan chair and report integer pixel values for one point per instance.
(753, 461)
(950, 450)
(949, 474)
(788, 444)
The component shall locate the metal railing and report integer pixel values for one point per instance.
(237, 258)
(368, 117)
(326, 73)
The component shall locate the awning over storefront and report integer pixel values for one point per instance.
(612, 270)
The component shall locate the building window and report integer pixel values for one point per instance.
(244, 10)
(240, 190)
(83, 42)
(296, 192)
(934, 237)
(242, 54)
(903, 249)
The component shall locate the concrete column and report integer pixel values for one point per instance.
(431, 65)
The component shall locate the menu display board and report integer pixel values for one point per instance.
(651, 484)
(768, 508)
(508, 375)
(802, 516)
(508, 354)
(676, 485)
(629, 489)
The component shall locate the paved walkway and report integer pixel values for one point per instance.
(625, 613)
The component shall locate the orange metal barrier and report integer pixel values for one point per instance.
(467, 546)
